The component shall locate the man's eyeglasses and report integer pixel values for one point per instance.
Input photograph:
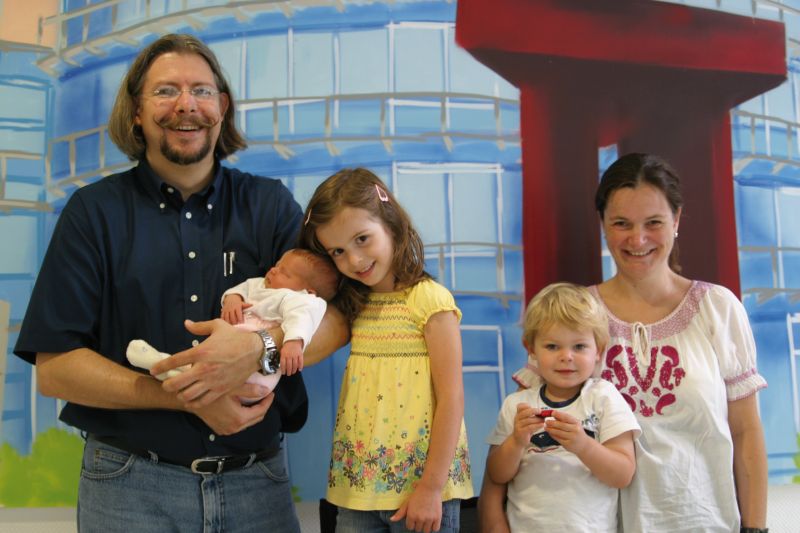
(169, 93)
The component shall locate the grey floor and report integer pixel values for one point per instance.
(62, 519)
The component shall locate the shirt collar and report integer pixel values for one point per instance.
(160, 191)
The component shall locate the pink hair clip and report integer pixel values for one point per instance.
(382, 194)
(307, 218)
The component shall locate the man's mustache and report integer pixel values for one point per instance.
(174, 123)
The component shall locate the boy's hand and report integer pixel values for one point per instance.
(526, 422)
(233, 307)
(292, 356)
(567, 430)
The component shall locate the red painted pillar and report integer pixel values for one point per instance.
(649, 76)
(559, 162)
(700, 149)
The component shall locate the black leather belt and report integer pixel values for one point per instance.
(202, 465)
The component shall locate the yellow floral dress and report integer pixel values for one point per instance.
(386, 406)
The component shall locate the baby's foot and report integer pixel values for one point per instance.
(143, 355)
(268, 382)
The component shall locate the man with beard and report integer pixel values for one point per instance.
(131, 257)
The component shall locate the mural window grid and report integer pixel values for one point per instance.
(766, 173)
(775, 206)
(310, 121)
(23, 120)
(15, 289)
(23, 102)
(768, 9)
(23, 169)
(125, 13)
(450, 253)
(81, 157)
(793, 332)
(21, 179)
(485, 362)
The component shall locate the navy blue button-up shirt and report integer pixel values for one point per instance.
(129, 259)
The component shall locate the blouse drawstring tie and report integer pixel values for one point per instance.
(640, 342)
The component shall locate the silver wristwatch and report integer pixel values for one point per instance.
(270, 360)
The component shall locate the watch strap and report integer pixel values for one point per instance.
(269, 362)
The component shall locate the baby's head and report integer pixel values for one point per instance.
(301, 269)
(565, 332)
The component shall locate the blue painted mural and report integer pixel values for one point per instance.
(322, 85)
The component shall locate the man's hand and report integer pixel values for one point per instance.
(233, 307)
(220, 363)
(227, 415)
(292, 356)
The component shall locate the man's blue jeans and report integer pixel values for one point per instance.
(125, 493)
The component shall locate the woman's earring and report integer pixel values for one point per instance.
(676, 234)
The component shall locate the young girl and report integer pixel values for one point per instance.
(399, 445)
(565, 445)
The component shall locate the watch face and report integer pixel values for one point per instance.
(270, 362)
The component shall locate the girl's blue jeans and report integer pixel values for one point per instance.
(350, 521)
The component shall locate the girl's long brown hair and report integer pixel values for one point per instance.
(359, 188)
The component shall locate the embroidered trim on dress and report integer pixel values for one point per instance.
(741, 377)
(748, 393)
(677, 321)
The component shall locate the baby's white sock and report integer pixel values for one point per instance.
(143, 355)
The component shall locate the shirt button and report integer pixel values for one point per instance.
(210, 207)
(188, 215)
(212, 437)
(195, 342)
(193, 298)
(162, 205)
(170, 190)
(192, 255)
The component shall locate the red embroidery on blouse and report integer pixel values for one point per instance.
(639, 392)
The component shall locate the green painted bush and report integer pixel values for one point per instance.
(48, 477)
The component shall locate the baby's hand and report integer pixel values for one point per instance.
(526, 423)
(292, 356)
(567, 430)
(233, 307)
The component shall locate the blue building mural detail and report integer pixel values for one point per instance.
(322, 85)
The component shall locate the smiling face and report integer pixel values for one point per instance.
(361, 248)
(640, 230)
(181, 131)
(290, 272)
(566, 358)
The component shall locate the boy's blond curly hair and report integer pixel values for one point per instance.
(568, 304)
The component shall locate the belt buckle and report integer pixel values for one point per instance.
(197, 463)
